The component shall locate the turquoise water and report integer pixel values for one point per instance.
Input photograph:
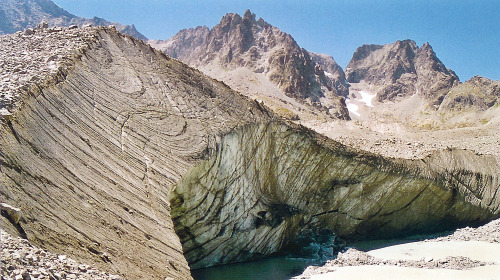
(284, 268)
(274, 268)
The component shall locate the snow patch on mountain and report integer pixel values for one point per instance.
(367, 98)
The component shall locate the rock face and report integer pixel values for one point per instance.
(262, 62)
(183, 43)
(92, 151)
(478, 94)
(333, 71)
(401, 69)
(268, 184)
(17, 15)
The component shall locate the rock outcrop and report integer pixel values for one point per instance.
(17, 15)
(262, 62)
(332, 70)
(90, 153)
(478, 94)
(269, 184)
(182, 44)
(401, 69)
(474, 103)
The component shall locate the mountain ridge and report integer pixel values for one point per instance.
(17, 15)
(253, 56)
(401, 69)
(270, 56)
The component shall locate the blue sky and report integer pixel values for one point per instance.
(465, 34)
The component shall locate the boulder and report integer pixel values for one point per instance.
(11, 212)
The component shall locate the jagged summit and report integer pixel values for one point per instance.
(403, 85)
(395, 83)
(239, 34)
(264, 63)
(401, 69)
(17, 15)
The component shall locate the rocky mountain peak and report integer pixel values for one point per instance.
(233, 34)
(17, 15)
(478, 80)
(248, 15)
(478, 93)
(401, 69)
(236, 34)
(394, 59)
(426, 45)
(274, 65)
(363, 52)
(229, 21)
(232, 20)
(427, 57)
